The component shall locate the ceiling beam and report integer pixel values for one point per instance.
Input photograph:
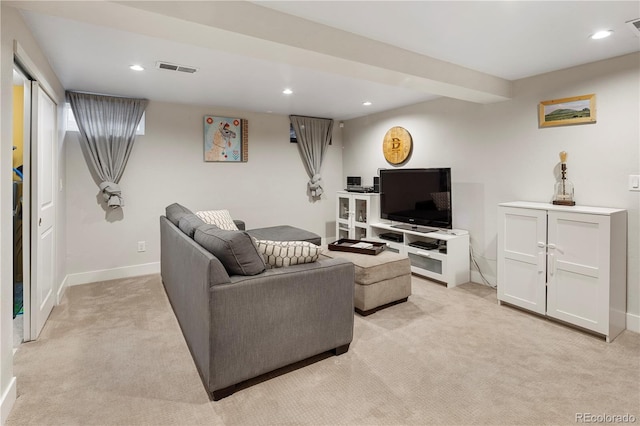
(251, 30)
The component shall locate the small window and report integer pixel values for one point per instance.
(72, 126)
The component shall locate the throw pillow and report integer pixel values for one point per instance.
(284, 253)
(220, 218)
(189, 223)
(235, 249)
(175, 211)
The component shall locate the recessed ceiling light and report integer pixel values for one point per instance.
(136, 68)
(601, 34)
(366, 103)
(287, 91)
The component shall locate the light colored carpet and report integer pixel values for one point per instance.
(113, 353)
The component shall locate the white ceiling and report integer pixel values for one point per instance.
(333, 54)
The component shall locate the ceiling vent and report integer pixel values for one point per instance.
(175, 67)
(634, 25)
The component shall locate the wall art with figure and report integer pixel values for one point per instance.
(226, 139)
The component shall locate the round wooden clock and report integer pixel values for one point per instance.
(396, 145)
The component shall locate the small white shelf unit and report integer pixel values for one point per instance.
(355, 213)
(440, 255)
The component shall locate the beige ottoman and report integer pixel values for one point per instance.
(381, 280)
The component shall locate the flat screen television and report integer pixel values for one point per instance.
(416, 197)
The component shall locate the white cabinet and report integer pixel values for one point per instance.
(355, 212)
(439, 255)
(565, 262)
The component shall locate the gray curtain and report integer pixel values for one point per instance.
(314, 135)
(107, 127)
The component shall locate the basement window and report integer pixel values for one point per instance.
(72, 126)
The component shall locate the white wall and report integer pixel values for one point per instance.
(14, 28)
(166, 166)
(497, 152)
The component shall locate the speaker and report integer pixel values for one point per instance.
(376, 184)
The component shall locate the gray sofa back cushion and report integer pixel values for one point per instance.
(175, 211)
(189, 223)
(235, 249)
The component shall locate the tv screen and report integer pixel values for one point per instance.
(416, 196)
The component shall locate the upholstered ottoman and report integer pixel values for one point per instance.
(284, 233)
(381, 280)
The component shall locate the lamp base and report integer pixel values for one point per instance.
(564, 202)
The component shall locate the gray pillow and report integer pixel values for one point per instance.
(189, 223)
(235, 249)
(175, 211)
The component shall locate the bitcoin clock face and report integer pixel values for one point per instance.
(396, 145)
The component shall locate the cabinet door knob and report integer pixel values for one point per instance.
(541, 244)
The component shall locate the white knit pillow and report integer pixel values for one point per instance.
(284, 253)
(220, 218)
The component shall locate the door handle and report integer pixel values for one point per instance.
(40, 222)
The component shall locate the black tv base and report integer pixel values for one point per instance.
(415, 228)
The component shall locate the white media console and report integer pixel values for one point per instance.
(441, 255)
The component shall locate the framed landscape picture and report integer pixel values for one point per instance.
(561, 112)
(226, 139)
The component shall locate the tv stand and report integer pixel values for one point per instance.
(438, 254)
(414, 228)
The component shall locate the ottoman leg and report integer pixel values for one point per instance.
(377, 308)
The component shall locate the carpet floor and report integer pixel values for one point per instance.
(113, 354)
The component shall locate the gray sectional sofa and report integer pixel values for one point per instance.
(239, 327)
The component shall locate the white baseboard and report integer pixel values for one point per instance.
(8, 399)
(113, 274)
(61, 290)
(477, 278)
(633, 323)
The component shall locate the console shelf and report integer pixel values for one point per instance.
(440, 255)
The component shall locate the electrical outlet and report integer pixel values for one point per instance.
(142, 246)
(634, 182)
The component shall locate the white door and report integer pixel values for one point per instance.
(43, 206)
(522, 237)
(579, 247)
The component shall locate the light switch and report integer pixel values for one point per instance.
(634, 182)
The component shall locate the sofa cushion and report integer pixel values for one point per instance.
(189, 223)
(221, 218)
(235, 249)
(284, 253)
(175, 211)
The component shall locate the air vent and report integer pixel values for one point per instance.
(634, 25)
(175, 67)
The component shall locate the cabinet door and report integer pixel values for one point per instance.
(361, 214)
(343, 216)
(578, 269)
(522, 236)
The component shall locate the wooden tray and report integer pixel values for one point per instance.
(346, 244)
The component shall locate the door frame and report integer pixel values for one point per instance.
(32, 73)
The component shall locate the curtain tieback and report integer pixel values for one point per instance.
(112, 194)
(315, 185)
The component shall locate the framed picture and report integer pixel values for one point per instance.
(561, 112)
(226, 139)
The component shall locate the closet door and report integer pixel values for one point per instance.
(522, 236)
(43, 232)
(578, 282)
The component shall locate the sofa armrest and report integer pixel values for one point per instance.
(264, 322)
(240, 224)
